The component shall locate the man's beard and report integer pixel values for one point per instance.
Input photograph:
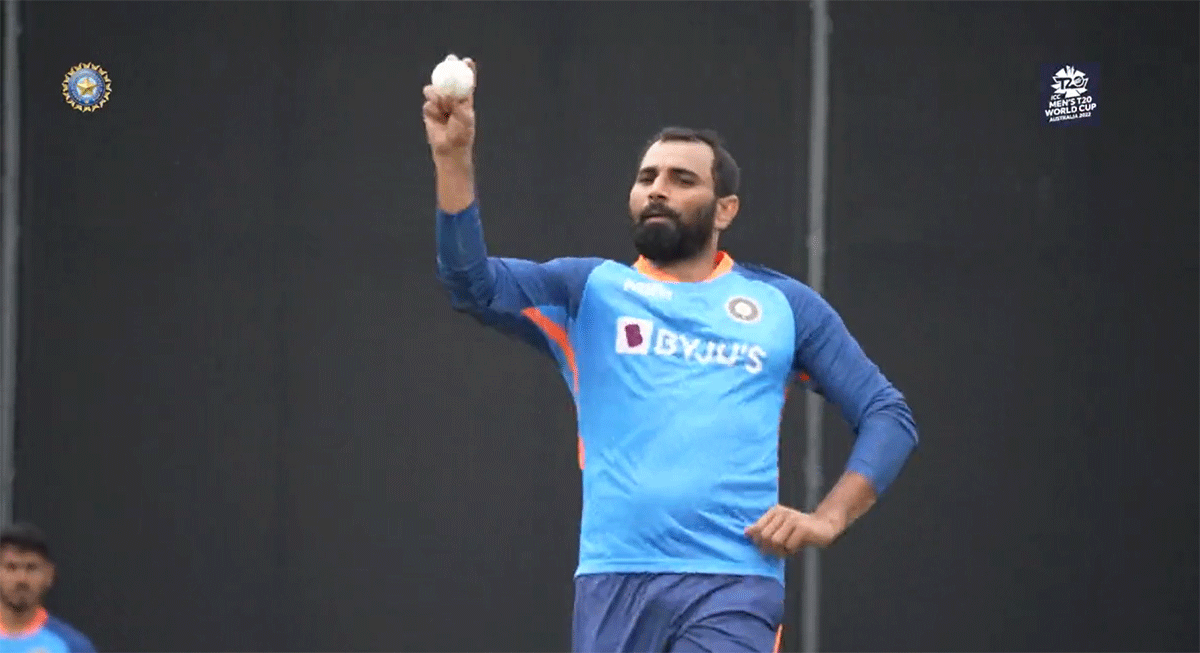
(672, 239)
(22, 602)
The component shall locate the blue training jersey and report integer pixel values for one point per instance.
(47, 634)
(679, 391)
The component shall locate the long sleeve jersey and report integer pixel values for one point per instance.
(679, 389)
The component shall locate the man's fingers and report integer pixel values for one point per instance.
(782, 531)
(462, 110)
(470, 99)
(755, 529)
(774, 548)
(434, 115)
(443, 103)
(787, 535)
(779, 520)
(796, 538)
(770, 550)
(762, 533)
(784, 534)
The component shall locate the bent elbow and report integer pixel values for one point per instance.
(467, 292)
(459, 293)
(460, 305)
(902, 413)
(885, 436)
(891, 405)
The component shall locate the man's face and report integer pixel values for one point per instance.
(672, 202)
(25, 577)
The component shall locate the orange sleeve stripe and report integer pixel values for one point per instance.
(558, 335)
(779, 638)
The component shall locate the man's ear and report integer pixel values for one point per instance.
(727, 209)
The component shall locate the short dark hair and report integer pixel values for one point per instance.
(25, 537)
(725, 171)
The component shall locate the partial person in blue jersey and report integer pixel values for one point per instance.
(26, 575)
(679, 364)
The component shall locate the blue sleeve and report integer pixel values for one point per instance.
(80, 644)
(514, 326)
(76, 642)
(486, 286)
(875, 410)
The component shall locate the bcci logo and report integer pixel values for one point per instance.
(743, 309)
(1069, 94)
(86, 87)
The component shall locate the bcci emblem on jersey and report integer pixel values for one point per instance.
(743, 309)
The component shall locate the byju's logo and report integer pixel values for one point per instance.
(633, 335)
(1069, 94)
(641, 337)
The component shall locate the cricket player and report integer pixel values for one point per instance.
(26, 574)
(679, 364)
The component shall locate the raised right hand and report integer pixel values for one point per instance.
(450, 122)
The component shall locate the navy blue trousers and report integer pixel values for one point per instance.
(676, 613)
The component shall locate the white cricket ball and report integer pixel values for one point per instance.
(453, 77)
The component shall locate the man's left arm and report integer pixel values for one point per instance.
(874, 410)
